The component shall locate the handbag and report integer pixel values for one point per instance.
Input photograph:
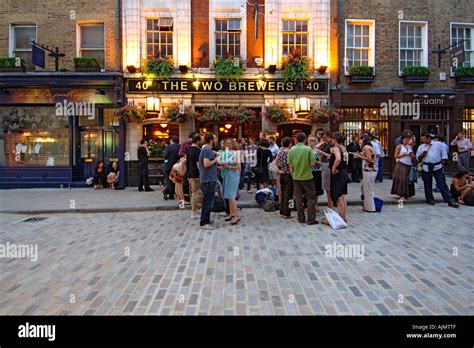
(413, 176)
(272, 167)
(335, 220)
(181, 166)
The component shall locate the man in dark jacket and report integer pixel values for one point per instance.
(143, 155)
(355, 164)
(171, 158)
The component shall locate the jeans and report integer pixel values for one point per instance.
(170, 186)
(286, 188)
(380, 170)
(440, 183)
(208, 197)
(463, 161)
(306, 187)
(143, 177)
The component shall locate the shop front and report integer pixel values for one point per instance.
(56, 128)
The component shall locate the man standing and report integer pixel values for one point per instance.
(354, 162)
(143, 154)
(325, 146)
(433, 154)
(192, 159)
(464, 151)
(208, 180)
(171, 158)
(379, 157)
(300, 159)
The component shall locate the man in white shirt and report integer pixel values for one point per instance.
(464, 151)
(273, 146)
(379, 157)
(433, 154)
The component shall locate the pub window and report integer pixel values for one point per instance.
(362, 120)
(92, 41)
(468, 125)
(460, 32)
(413, 42)
(295, 35)
(360, 44)
(22, 37)
(159, 38)
(228, 37)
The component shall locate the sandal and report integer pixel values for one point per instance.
(235, 222)
(229, 218)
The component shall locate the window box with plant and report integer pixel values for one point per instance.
(324, 114)
(276, 114)
(131, 114)
(86, 64)
(416, 74)
(160, 67)
(361, 74)
(296, 67)
(229, 68)
(464, 75)
(10, 64)
(178, 114)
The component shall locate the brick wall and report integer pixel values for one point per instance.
(200, 33)
(437, 13)
(55, 28)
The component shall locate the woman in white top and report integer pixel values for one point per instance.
(401, 185)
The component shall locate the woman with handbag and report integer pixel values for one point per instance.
(177, 174)
(403, 184)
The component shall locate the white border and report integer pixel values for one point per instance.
(372, 56)
(424, 33)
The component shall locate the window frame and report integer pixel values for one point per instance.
(294, 33)
(463, 25)
(12, 41)
(153, 31)
(424, 42)
(371, 49)
(227, 32)
(79, 40)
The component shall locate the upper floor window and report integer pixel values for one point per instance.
(360, 43)
(159, 37)
(22, 37)
(92, 41)
(228, 37)
(464, 32)
(295, 35)
(413, 44)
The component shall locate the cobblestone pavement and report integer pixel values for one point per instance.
(162, 263)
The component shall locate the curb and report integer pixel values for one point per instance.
(170, 208)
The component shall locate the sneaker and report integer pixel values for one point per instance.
(207, 227)
(315, 222)
(195, 215)
(181, 205)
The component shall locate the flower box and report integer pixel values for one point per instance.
(464, 75)
(361, 74)
(86, 64)
(8, 64)
(416, 74)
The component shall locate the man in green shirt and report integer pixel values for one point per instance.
(300, 159)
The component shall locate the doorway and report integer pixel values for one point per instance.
(292, 129)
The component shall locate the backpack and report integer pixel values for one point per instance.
(270, 204)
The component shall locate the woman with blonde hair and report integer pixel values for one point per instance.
(230, 172)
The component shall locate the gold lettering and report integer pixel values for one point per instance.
(251, 86)
(184, 86)
(261, 85)
(280, 86)
(165, 85)
(174, 85)
(290, 86)
(232, 86)
(271, 86)
(207, 85)
(242, 86)
(218, 86)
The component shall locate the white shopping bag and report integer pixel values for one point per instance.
(334, 219)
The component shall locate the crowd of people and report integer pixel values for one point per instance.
(300, 170)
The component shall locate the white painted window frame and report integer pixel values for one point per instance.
(424, 40)
(371, 56)
(462, 25)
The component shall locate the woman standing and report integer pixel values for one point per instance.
(338, 165)
(230, 172)
(264, 157)
(369, 172)
(316, 169)
(286, 181)
(404, 155)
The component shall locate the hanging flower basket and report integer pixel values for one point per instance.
(160, 67)
(242, 115)
(176, 114)
(131, 114)
(323, 114)
(239, 116)
(276, 114)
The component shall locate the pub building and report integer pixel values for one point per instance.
(193, 34)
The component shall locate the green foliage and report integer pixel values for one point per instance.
(157, 148)
(464, 72)
(296, 68)
(323, 114)
(416, 71)
(86, 62)
(359, 70)
(276, 114)
(160, 67)
(131, 114)
(174, 115)
(9, 62)
(239, 116)
(225, 68)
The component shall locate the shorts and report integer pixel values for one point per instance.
(195, 191)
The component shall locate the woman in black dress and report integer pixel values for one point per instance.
(338, 165)
(264, 157)
(100, 177)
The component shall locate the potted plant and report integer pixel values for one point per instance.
(361, 74)
(296, 68)
(213, 114)
(228, 67)
(131, 114)
(161, 67)
(464, 75)
(180, 114)
(416, 74)
(86, 64)
(276, 114)
(156, 148)
(323, 114)
(12, 64)
(242, 115)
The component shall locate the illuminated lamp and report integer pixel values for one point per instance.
(153, 104)
(228, 126)
(195, 82)
(221, 129)
(302, 105)
(164, 125)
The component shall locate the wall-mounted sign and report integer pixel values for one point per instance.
(38, 56)
(317, 86)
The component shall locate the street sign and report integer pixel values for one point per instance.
(457, 55)
(38, 56)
